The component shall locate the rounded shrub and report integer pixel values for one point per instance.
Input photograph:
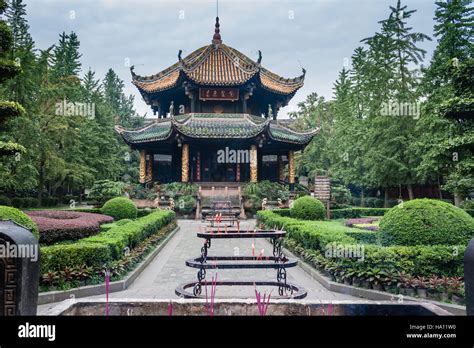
(9, 213)
(308, 208)
(120, 208)
(426, 222)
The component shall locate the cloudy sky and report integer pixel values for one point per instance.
(318, 35)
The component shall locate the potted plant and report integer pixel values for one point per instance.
(411, 284)
(357, 278)
(443, 289)
(51, 279)
(434, 284)
(456, 290)
(330, 270)
(348, 276)
(390, 282)
(366, 284)
(421, 286)
(376, 278)
(402, 282)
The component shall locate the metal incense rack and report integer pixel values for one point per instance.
(278, 261)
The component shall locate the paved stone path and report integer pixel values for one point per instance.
(168, 269)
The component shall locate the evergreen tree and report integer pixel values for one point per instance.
(435, 143)
(8, 69)
(66, 56)
(21, 88)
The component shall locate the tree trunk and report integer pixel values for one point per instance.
(362, 197)
(410, 192)
(41, 181)
(385, 200)
(457, 199)
(439, 188)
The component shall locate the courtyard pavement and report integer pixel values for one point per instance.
(168, 269)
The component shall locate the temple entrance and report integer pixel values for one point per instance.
(209, 166)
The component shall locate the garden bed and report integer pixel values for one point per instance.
(118, 250)
(57, 225)
(431, 271)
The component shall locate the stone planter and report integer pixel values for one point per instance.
(410, 292)
(431, 294)
(356, 282)
(338, 279)
(366, 284)
(347, 281)
(457, 299)
(422, 293)
(392, 289)
(327, 274)
(378, 287)
(443, 296)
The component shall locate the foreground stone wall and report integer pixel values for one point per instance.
(181, 307)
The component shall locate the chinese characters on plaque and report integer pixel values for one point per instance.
(231, 94)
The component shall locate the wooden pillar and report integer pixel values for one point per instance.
(185, 163)
(291, 167)
(149, 168)
(280, 169)
(253, 164)
(142, 176)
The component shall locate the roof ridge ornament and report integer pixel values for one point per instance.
(216, 39)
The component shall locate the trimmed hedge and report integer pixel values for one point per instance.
(120, 208)
(352, 213)
(105, 246)
(426, 222)
(308, 208)
(365, 237)
(282, 212)
(9, 213)
(415, 260)
(140, 213)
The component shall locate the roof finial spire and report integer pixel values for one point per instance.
(216, 39)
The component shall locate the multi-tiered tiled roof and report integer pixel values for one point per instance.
(215, 126)
(217, 65)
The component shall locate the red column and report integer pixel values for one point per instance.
(198, 166)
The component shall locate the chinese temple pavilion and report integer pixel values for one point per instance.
(216, 120)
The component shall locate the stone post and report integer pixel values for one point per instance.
(19, 270)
